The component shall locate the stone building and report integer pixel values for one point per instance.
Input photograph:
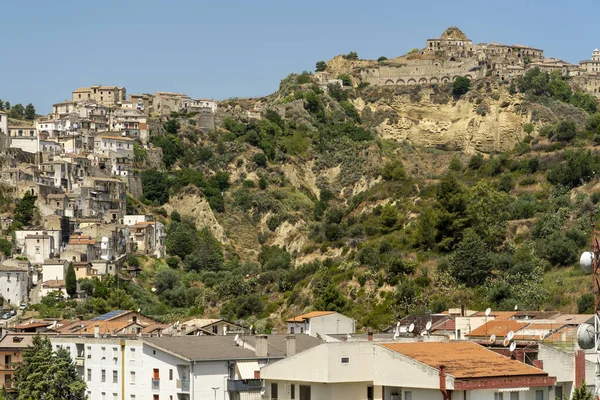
(3, 123)
(105, 95)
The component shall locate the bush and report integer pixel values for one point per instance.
(528, 128)
(260, 159)
(274, 258)
(460, 86)
(393, 171)
(346, 80)
(351, 56)
(382, 58)
(320, 66)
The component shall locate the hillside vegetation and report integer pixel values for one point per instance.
(372, 201)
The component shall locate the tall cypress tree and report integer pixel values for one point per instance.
(71, 280)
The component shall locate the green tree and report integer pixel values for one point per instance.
(155, 186)
(345, 78)
(382, 58)
(172, 126)
(470, 262)
(320, 66)
(48, 375)
(165, 279)
(351, 56)
(328, 296)
(393, 171)
(208, 254)
(585, 303)
(17, 111)
(29, 112)
(25, 209)
(460, 86)
(71, 280)
(581, 392)
(171, 146)
(5, 247)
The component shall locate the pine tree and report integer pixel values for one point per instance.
(581, 393)
(48, 375)
(29, 112)
(71, 280)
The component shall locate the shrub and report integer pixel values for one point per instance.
(320, 66)
(346, 80)
(528, 128)
(382, 58)
(393, 171)
(460, 86)
(260, 159)
(351, 56)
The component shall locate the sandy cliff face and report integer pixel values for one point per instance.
(491, 125)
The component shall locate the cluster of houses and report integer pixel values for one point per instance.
(78, 163)
(458, 354)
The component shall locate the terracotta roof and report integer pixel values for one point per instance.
(312, 314)
(569, 331)
(573, 319)
(54, 284)
(76, 240)
(464, 359)
(498, 315)
(498, 328)
(33, 325)
(448, 325)
(155, 327)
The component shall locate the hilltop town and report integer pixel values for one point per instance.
(303, 245)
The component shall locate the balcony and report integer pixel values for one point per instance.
(183, 385)
(155, 384)
(244, 385)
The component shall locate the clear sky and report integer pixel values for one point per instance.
(226, 48)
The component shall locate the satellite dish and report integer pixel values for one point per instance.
(236, 338)
(506, 342)
(428, 326)
(262, 392)
(251, 326)
(411, 328)
(585, 336)
(510, 335)
(542, 336)
(177, 323)
(198, 333)
(516, 307)
(398, 324)
(488, 311)
(513, 346)
(586, 260)
(139, 309)
(492, 339)
(396, 335)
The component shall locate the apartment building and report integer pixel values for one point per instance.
(321, 323)
(14, 282)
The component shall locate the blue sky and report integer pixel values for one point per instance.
(227, 48)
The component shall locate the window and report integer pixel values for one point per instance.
(170, 374)
(274, 394)
(515, 396)
(215, 329)
(103, 379)
(132, 354)
(115, 396)
(132, 377)
(7, 360)
(499, 396)
(115, 377)
(292, 330)
(89, 374)
(292, 391)
(155, 374)
(89, 352)
(345, 360)
(103, 352)
(155, 397)
(17, 277)
(407, 395)
(539, 395)
(103, 396)
(8, 275)
(369, 392)
(305, 393)
(115, 352)
(558, 393)
(132, 397)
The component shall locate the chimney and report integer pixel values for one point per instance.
(446, 394)
(462, 310)
(97, 331)
(261, 346)
(579, 367)
(370, 336)
(290, 345)
(538, 364)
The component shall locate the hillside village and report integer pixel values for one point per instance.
(79, 167)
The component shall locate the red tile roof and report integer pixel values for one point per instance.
(498, 328)
(464, 359)
(312, 314)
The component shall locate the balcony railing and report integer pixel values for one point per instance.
(155, 384)
(183, 385)
(244, 385)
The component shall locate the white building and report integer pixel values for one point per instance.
(24, 138)
(122, 145)
(148, 235)
(39, 248)
(53, 285)
(366, 370)
(21, 234)
(54, 269)
(321, 323)
(181, 367)
(3, 123)
(14, 281)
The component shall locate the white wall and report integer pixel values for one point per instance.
(155, 358)
(329, 324)
(53, 271)
(468, 324)
(15, 290)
